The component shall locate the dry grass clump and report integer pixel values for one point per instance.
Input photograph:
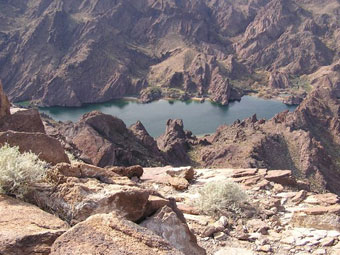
(220, 197)
(19, 171)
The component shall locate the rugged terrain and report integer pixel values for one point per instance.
(57, 52)
(286, 169)
(305, 141)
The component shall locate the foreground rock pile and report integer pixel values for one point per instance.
(288, 218)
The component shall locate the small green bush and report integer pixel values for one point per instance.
(19, 171)
(216, 198)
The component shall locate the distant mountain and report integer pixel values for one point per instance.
(68, 52)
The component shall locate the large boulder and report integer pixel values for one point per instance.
(46, 147)
(110, 234)
(104, 140)
(26, 229)
(23, 121)
(77, 192)
(166, 224)
(4, 103)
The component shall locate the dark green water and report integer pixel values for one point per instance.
(200, 118)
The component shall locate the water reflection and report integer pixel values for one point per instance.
(200, 118)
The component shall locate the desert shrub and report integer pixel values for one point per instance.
(19, 171)
(216, 198)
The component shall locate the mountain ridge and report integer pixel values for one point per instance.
(68, 53)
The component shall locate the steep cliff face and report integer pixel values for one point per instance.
(306, 140)
(60, 52)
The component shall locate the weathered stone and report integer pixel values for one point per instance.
(4, 103)
(257, 225)
(46, 147)
(299, 197)
(319, 219)
(218, 226)
(165, 223)
(244, 172)
(154, 204)
(23, 121)
(283, 177)
(75, 199)
(174, 143)
(178, 183)
(110, 234)
(26, 229)
(183, 172)
(104, 140)
(188, 209)
(264, 248)
(328, 241)
(319, 210)
(220, 236)
(81, 170)
(132, 171)
(323, 199)
(234, 251)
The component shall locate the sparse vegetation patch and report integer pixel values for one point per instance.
(19, 171)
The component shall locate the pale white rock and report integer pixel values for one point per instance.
(320, 233)
(288, 240)
(333, 233)
(219, 236)
(223, 221)
(328, 241)
(286, 195)
(234, 251)
(301, 242)
(320, 252)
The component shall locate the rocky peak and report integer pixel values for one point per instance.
(174, 142)
(142, 134)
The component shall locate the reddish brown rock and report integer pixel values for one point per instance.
(104, 140)
(326, 218)
(166, 223)
(132, 171)
(279, 80)
(188, 209)
(300, 196)
(154, 204)
(244, 172)
(323, 199)
(4, 103)
(81, 170)
(178, 183)
(174, 143)
(23, 121)
(74, 199)
(283, 177)
(46, 147)
(111, 234)
(319, 210)
(26, 229)
(142, 135)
